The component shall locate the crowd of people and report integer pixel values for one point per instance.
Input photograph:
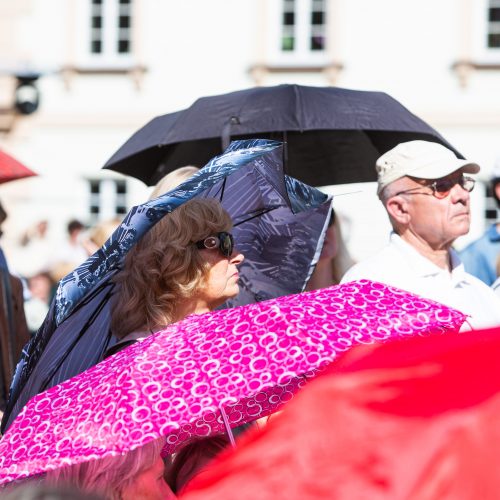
(40, 263)
(188, 264)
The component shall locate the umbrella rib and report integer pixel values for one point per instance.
(85, 327)
(229, 431)
(258, 214)
(223, 188)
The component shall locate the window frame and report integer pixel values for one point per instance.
(482, 52)
(302, 55)
(107, 198)
(110, 57)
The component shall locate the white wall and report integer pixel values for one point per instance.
(195, 48)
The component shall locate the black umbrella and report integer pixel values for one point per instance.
(333, 135)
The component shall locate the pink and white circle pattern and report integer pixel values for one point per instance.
(248, 360)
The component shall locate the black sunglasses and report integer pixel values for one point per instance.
(222, 241)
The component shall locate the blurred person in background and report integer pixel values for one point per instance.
(480, 256)
(36, 232)
(3, 260)
(36, 306)
(135, 475)
(334, 260)
(100, 232)
(172, 180)
(13, 328)
(192, 459)
(76, 248)
(35, 251)
(33, 491)
(496, 284)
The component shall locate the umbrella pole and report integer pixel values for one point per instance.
(285, 152)
(229, 431)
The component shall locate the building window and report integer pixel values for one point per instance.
(299, 32)
(96, 28)
(288, 26)
(121, 197)
(108, 198)
(493, 41)
(318, 25)
(485, 24)
(110, 24)
(105, 38)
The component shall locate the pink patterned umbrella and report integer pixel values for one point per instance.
(235, 364)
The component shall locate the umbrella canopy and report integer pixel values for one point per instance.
(412, 419)
(11, 169)
(333, 135)
(246, 360)
(279, 225)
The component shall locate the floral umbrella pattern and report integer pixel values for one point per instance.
(248, 360)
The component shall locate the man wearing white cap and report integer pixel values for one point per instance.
(425, 191)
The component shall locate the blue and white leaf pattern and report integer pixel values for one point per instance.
(279, 225)
(141, 218)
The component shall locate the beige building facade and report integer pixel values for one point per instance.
(106, 67)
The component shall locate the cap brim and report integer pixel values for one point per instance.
(442, 169)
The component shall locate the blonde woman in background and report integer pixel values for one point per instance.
(99, 234)
(137, 474)
(172, 180)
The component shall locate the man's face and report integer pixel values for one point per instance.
(438, 221)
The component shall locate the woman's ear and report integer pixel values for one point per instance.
(398, 209)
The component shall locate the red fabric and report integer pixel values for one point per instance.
(11, 169)
(413, 419)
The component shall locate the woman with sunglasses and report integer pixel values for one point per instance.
(186, 264)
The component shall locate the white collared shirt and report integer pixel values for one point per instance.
(402, 266)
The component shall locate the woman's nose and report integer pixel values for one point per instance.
(237, 257)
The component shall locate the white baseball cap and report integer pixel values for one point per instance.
(421, 159)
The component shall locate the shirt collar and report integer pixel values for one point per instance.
(423, 266)
(493, 234)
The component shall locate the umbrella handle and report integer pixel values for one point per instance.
(229, 431)
(226, 131)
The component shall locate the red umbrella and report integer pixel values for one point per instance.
(11, 169)
(412, 419)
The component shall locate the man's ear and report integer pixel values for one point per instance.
(397, 207)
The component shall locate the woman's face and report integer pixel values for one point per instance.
(221, 282)
(149, 485)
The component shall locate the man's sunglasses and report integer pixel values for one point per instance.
(441, 188)
(224, 242)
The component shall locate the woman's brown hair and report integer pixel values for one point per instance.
(165, 267)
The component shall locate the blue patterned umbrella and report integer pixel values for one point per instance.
(279, 225)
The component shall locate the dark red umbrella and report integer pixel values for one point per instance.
(11, 169)
(413, 419)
